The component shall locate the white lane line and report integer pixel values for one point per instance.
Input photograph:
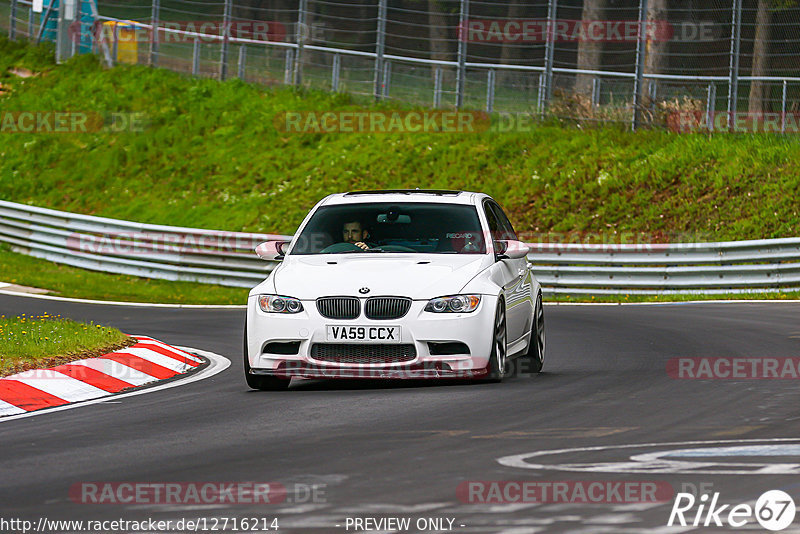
(58, 384)
(9, 409)
(117, 370)
(217, 364)
(118, 303)
(158, 359)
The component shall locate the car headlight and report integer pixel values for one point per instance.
(277, 304)
(454, 304)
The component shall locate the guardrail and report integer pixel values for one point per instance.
(227, 258)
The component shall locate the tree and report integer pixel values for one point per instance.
(758, 92)
(589, 52)
(656, 56)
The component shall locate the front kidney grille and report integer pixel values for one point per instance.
(339, 307)
(364, 354)
(386, 307)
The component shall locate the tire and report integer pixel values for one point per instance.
(262, 382)
(534, 358)
(498, 358)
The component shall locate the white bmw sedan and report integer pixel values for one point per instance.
(395, 284)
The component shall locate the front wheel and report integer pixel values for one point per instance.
(498, 359)
(262, 382)
(534, 358)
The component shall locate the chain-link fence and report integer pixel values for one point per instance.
(674, 63)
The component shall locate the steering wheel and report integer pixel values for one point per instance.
(337, 248)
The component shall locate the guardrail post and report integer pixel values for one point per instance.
(196, 57)
(302, 34)
(641, 43)
(12, 22)
(242, 61)
(288, 71)
(437, 88)
(226, 35)
(461, 74)
(380, 45)
(549, 54)
(387, 78)
(783, 107)
(335, 71)
(154, 16)
(490, 91)
(711, 106)
(733, 72)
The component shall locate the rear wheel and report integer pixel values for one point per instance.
(534, 358)
(262, 382)
(498, 359)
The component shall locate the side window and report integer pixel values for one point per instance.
(494, 224)
(506, 230)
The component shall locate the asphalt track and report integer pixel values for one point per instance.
(401, 449)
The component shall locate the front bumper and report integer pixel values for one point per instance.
(425, 331)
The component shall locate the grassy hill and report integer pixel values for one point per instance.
(211, 157)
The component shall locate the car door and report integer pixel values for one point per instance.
(514, 275)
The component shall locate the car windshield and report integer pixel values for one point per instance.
(411, 227)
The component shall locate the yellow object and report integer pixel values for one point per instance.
(126, 38)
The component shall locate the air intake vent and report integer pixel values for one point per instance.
(339, 307)
(386, 307)
(362, 353)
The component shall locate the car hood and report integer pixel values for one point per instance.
(416, 276)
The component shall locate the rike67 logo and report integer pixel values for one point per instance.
(774, 510)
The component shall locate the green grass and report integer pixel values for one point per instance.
(66, 281)
(211, 157)
(45, 340)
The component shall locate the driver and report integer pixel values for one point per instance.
(353, 232)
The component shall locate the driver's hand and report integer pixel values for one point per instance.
(362, 246)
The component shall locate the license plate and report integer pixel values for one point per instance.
(364, 334)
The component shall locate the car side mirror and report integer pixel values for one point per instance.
(510, 249)
(272, 250)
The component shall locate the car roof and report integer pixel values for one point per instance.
(443, 196)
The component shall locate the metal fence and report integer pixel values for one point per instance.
(633, 61)
(227, 258)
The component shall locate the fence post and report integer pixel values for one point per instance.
(462, 53)
(288, 71)
(595, 92)
(154, 16)
(387, 78)
(437, 87)
(31, 22)
(302, 33)
(783, 107)
(380, 45)
(490, 91)
(196, 57)
(226, 35)
(641, 43)
(546, 91)
(733, 73)
(242, 61)
(337, 66)
(711, 106)
(115, 45)
(12, 22)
